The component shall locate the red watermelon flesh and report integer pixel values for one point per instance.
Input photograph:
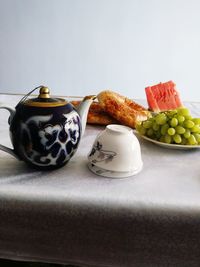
(163, 96)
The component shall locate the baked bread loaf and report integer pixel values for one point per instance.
(96, 114)
(121, 108)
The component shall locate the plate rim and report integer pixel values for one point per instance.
(177, 146)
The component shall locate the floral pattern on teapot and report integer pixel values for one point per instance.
(55, 143)
(46, 140)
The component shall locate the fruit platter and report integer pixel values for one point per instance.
(171, 124)
(174, 128)
(165, 122)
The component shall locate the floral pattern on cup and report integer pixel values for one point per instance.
(101, 154)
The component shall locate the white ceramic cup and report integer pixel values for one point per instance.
(117, 149)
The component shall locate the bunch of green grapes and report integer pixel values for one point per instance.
(172, 127)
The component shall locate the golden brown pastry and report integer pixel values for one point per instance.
(96, 114)
(124, 110)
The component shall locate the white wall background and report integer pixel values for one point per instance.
(79, 47)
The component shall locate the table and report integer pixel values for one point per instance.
(70, 215)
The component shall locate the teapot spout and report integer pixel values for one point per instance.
(83, 109)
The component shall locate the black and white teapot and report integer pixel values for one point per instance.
(45, 132)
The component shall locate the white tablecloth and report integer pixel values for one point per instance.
(70, 215)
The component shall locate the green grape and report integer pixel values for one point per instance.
(171, 131)
(141, 129)
(187, 133)
(196, 121)
(180, 130)
(197, 137)
(174, 122)
(183, 141)
(150, 132)
(157, 135)
(155, 126)
(171, 113)
(188, 124)
(192, 140)
(183, 111)
(162, 139)
(161, 119)
(188, 117)
(177, 138)
(168, 139)
(180, 119)
(195, 129)
(164, 129)
(147, 124)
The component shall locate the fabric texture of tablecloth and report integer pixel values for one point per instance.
(71, 215)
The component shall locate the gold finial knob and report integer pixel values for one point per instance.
(44, 92)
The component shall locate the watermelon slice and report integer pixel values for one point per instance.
(163, 96)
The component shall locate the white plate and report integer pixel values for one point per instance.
(172, 146)
(111, 174)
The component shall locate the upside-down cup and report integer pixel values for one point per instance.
(115, 153)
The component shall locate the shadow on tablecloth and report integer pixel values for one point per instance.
(11, 263)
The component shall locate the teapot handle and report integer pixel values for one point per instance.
(2, 147)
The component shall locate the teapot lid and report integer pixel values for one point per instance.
(43, 99)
